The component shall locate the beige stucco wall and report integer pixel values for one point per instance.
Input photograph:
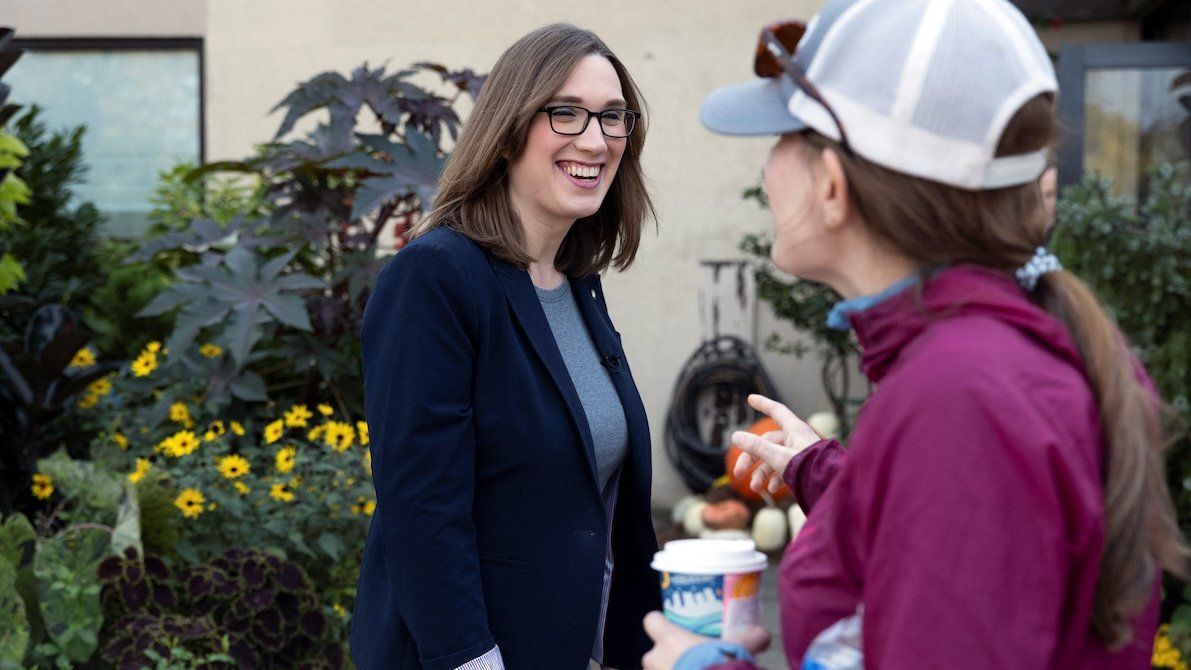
(677, 50)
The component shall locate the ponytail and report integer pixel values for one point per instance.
(1141, 529)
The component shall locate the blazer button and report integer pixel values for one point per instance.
(593, 295)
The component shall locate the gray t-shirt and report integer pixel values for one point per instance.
(601, 404)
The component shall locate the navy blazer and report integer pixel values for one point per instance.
(490, 527)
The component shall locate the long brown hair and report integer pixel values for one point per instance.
(473, 191)
(938, 225)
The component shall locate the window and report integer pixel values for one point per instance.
(141, 101)
(1125, 107)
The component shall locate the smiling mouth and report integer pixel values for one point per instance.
(580, 171)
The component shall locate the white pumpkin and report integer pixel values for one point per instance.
(797, 519)
(692, 518)
(679, 512)
(724, 534)
(769, 529)
(826, 424)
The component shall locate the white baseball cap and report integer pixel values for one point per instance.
(922, 87)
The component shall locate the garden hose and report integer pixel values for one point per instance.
(728, 367)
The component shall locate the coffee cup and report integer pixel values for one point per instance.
(709, 586)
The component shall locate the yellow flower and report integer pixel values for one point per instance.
(297, 416)
(217, 426)
(180, 413)
(1165, 655)
(362, 431)
(120, 440)
(211, 350)
(83, 358)
(190, 501)
(142, 467)
(285, 458)
(339, 610)
(241, 488)
(179, 444)
(315, 434)
(339, 435)
(364, 506)
(237, 428)
(281, 492)
(273, 431)
(94, 391)
(233, 466)
(325, 409)
(153, 347)
(43, 486)
(368, 462)
(144, 364)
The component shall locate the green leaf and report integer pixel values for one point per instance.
(127, 531)
(249, 386)
(331, 545)
(93, 486)
(14, 624)
(11, 273)
(288, 309)
(67, 591)
(16, 538)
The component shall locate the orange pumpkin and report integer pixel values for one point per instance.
(741, 484)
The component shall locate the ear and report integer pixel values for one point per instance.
(833, 190)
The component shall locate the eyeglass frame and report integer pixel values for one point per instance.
(785, 59)
(630, 113)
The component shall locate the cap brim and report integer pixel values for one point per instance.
(756, 107)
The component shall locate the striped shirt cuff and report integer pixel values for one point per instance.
(489, 661)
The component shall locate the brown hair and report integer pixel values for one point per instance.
(935, 225)
(473, 192)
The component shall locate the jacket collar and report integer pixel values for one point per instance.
(887, 328)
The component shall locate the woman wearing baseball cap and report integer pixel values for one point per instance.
(1001, 503)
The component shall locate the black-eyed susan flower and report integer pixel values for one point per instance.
(284, 461)
(237, 428)
(234, 466)
(274, 431)
(120, 440)
(297, 416)
(211, 350)
(180, 444)
(83, 358)
(43, 486)
(145, 362)
(190, 501)
(142, 466)
(240, 487)
(180, 413)
(362, 432)
(364, 506)
(325, 409)
(339, 435)
(281, 492)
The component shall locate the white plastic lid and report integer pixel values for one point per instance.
(709, 557)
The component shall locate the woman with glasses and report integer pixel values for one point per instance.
(1001, 502)
(511, 453)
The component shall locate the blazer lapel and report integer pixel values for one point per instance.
(528, 312)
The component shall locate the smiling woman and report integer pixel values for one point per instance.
(510, 448)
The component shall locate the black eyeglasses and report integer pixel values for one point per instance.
(573, 120)
(775, 56)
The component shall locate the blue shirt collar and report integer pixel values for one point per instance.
(839, 316)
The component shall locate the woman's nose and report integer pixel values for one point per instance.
(592, 138)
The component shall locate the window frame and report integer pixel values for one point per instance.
(1074, 62)
(194, 44)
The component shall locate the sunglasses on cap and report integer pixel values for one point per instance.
(775, 57)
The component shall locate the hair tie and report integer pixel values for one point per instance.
(1039, 264)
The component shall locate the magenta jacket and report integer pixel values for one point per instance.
(967, 513)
